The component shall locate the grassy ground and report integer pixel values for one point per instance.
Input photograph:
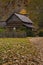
(18, 51)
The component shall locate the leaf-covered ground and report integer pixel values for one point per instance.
(38, 42)
(18, 51)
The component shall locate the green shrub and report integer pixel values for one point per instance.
(30, 33)
(40, 33)
(2, 29)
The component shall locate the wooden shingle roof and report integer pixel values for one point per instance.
(23, 18)
(29, 26)
(18, 17)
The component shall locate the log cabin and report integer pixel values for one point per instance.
(17, 20)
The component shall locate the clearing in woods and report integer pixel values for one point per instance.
(18, 51)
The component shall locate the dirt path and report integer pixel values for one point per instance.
(38, 42)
